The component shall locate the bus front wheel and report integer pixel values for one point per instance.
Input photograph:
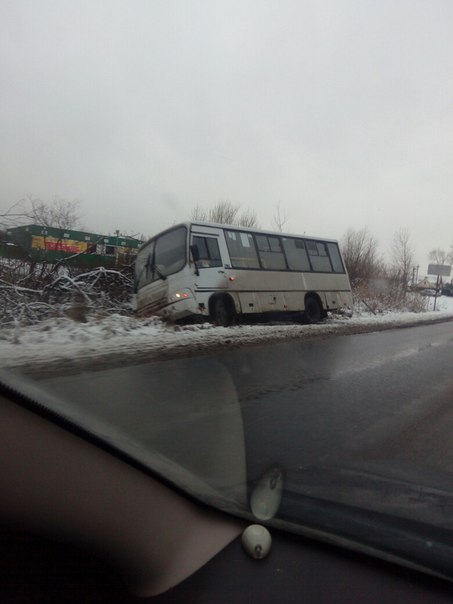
(223, 312)
(313, 310)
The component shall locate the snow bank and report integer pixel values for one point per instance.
(121, 338)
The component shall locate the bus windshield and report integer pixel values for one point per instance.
(161, 257)
(169, 253)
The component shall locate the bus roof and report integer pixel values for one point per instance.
(190, 223)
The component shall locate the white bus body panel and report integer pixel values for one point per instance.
(253, 291)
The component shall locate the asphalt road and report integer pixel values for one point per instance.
(380, 397)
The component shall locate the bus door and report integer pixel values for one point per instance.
(208, 245)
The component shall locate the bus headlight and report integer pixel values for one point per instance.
(181, 294)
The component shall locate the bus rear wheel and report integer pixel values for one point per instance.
(313, 310)
(223, 312)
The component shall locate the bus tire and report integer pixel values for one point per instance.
(223, 311)
(313, 310)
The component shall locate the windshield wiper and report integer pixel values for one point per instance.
(159, 273)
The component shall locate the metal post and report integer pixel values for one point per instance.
(437, 287)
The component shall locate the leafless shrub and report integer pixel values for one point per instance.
(416, 303)
(359, 249)
(384, 295)
(29, 296)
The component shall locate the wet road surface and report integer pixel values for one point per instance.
(383, 396)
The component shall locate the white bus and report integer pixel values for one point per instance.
(221, 271)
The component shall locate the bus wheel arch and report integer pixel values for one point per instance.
(222, 309)
(314, 310)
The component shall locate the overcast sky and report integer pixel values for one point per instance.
(342, 111)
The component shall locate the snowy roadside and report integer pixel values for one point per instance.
(64, 345)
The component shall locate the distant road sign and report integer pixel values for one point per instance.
(443, 270)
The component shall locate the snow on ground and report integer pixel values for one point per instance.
(116, 339)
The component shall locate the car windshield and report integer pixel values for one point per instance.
(274, 435)
(225, 254)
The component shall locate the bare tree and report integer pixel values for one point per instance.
(439, 256)
(199, 214)
(360, 254)
(403, 258)
(12, 216)
(60, 213)
(280, 218)
(225, 212)
(248, 218)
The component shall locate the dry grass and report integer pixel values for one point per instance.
(382, 297)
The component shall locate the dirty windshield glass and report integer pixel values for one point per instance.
(226, 248)
(170, 252)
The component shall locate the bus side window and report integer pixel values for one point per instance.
(208, 252)
(270, 252)
(241, 247)
(319, 257)
(335, 257)
(296, 254)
